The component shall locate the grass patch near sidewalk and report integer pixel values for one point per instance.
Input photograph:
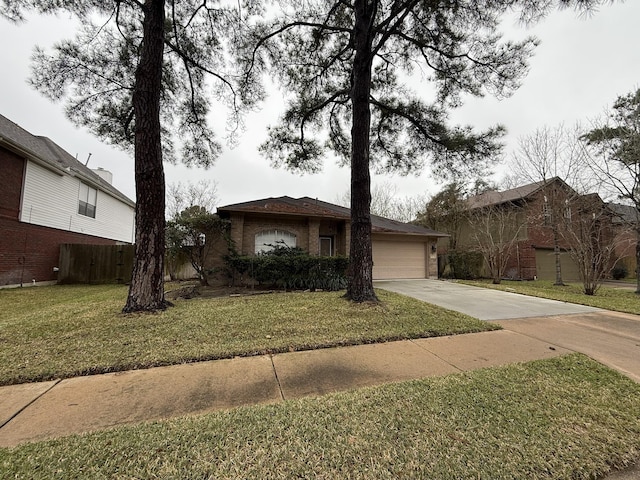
(608, 298)
(563, 418)
(65, 331)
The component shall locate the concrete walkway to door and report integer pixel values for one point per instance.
(611, 338)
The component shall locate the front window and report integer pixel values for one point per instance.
(267, 240)
(546, 211)
(567, 211)
(87, 201)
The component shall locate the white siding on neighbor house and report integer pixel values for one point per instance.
(51, 200)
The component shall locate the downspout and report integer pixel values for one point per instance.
(24, 259)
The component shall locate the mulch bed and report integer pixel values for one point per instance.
(193, 290)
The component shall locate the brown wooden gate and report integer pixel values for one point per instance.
(80, 263)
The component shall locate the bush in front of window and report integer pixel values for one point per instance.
(291, 269)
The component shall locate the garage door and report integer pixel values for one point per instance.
(546, 266)
(394, 259)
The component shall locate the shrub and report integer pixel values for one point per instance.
(465, 265)
(619, 272)
(291, 269)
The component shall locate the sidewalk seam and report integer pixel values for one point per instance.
(29, 404)
(553, 344)
(412, 340)
(275, 374)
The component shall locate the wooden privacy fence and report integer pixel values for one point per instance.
(80, 263)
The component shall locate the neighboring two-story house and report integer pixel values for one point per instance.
(536, 208)
(400, 250)
(626, 222)
(48, 198)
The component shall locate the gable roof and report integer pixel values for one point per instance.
(492, 197)
(310, 207)
(624, 213)
(47, 153)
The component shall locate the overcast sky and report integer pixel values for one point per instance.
(580, 67)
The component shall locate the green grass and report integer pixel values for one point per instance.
(64, 331)
(564, 418)
(608, 298)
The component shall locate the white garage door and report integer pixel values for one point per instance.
(394, 259)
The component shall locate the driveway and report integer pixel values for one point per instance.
(482, 303)
(611, 338)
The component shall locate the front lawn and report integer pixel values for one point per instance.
(616, 299)
(64, 331)
(564, 418)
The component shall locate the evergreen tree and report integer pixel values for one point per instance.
(143, 75)
(616, 145)
(344, 65)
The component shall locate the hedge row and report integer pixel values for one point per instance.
(291, 269)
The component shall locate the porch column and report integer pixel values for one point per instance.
(314, 237)
(237, 232)
(347, 237)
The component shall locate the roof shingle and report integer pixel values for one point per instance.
(50, 153)
(309, 207)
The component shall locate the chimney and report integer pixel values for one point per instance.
(106, 175)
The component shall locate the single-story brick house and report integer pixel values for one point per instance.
(400, 250)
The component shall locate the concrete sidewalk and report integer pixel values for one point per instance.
(32, 412)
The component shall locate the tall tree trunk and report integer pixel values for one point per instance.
(360, 286)
(146, 292)
(556, 252)
(638, 260)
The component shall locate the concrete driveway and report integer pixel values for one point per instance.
(482, 303)
(611, 338)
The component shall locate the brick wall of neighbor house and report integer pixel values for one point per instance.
(625, 249)
(538, 233)
(29, 252)
(539, 236)
(525, 261)
(522, 262)
(12, 168)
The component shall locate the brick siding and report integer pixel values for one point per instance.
(12, 168)
(29, 252)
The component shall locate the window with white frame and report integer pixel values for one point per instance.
(87, 201)
(268, 239)
(546, 211)
(567, 211)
